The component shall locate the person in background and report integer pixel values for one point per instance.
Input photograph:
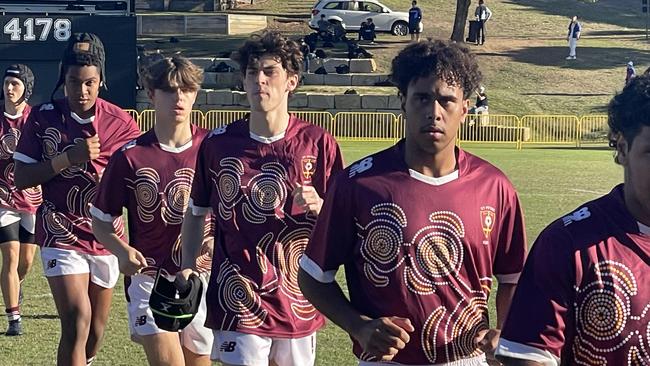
(573, 37)
(630, 72)
(482, 14)
(17, 207)
(415, 18)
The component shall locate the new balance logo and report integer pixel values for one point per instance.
(579, 215)
(140, 321)
(228, 346)
(51, 263)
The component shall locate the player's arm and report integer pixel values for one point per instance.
(131, 261)
(505, 294)
(31, 173)
(383, 337)
(192, 238)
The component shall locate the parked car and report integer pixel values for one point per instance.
(350, 13)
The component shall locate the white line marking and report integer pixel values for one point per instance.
(588, 191)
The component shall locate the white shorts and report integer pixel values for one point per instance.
(473, 361)
(195, 336)
(27, 220)
(104, 269)
(237, 348)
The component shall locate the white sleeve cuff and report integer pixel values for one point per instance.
(521, 351)
(512, 278)
(198, 210)
(315, 271)
(99, 214)
(24, 158)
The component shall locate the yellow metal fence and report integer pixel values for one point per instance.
(485, 128)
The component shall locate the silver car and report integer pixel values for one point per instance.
(350, 13)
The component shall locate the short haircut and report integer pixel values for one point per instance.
(448, 61)
(269, 43)
(629, 110)
(173, 73)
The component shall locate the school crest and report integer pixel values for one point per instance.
(488, 218)
(308, 167)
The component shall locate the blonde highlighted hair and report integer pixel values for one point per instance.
(173, 73)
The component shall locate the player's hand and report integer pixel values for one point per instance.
(487, 340)
(384, 337)
(307, 198)
(182, 278)
(131, 261)
(84, 150)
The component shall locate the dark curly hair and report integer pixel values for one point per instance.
(448, 61)
(629, 110)
(269, 43)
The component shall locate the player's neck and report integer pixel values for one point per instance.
(173, 134)
(269, 124)
(14, 109)
(636, 208)
(435, 165)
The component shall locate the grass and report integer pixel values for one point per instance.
(550, 182)
(523, 59)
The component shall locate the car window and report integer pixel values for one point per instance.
(334, 5)
(371, 7)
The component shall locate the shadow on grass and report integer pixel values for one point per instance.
(570, 94)
(194, 45)
(589, 58)
(41, 316)
(622, 13)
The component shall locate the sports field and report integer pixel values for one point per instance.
(550, 181)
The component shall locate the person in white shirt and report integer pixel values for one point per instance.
(482, 14)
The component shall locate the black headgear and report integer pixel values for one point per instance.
(174, 309)
(25, 74)
(83, 49)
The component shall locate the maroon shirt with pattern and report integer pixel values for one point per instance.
(420, 251)
(153, 183)
(583, 295)
(63, 220)
(260, 233)
(10, 198)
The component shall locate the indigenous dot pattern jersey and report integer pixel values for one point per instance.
(248, 182)
(63, 220)
(153, 182)
(583, 296)
(26, 200)
(421, 248)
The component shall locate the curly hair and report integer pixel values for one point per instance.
(629, 110)
(172, 73)
(448, 61)
(269, 43)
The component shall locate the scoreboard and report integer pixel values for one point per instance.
(36, 32)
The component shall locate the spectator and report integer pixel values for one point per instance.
(483, 14)
(325, 29)
(306, 54)
(338, 31)
(481, 105)
(573, 36)
(367, 31)
(415, 18)
(630, 72)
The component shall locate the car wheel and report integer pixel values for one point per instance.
(400, 28)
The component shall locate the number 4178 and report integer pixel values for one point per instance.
(61, 28)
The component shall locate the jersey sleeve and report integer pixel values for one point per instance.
(540, 312)
(334, 236)
(112, 193)
(29, 149)
(201, 185)
(511, 245)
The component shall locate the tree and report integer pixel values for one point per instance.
(462, 10)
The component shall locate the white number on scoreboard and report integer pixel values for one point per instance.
(38, 28)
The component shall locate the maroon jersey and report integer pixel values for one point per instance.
(583, 296)
(63, 220)
(153, 182)
(421, 248)
(10, 198)
(260, 234)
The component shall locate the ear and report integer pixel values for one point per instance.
(292, 82)
(622, 148)
(465, 109)
(151, 93)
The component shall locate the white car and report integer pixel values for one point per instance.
(350, 13)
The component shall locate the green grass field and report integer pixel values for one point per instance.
(550, 182)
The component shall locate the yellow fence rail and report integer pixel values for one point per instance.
(376, 126)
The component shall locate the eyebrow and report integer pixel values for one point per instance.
(77, 79)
